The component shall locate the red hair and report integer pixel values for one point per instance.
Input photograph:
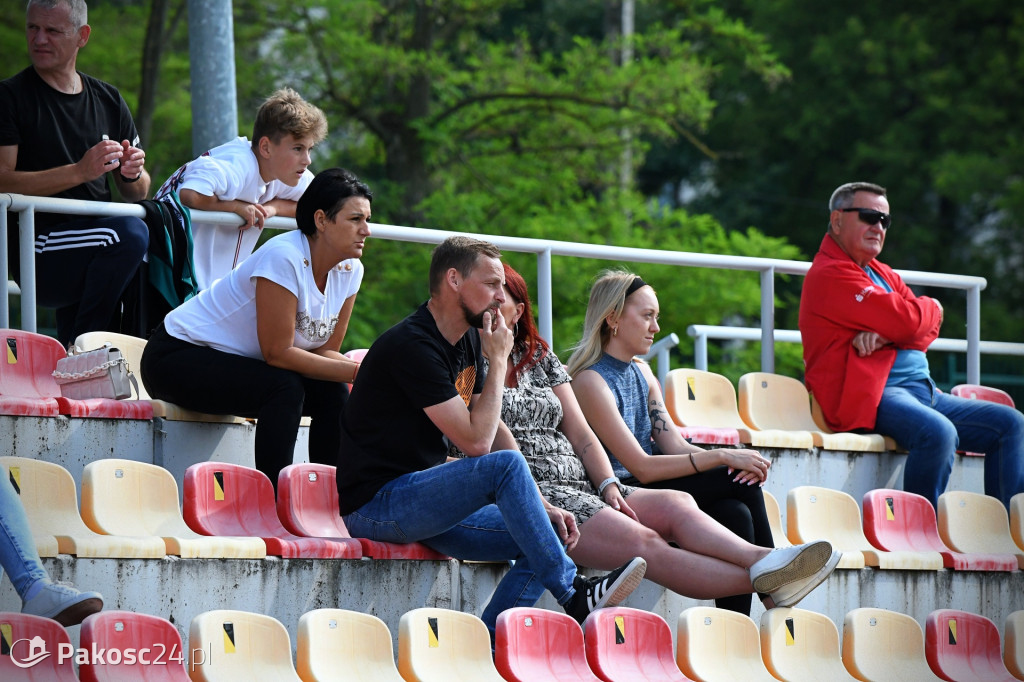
(527, 338)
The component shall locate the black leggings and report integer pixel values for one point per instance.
(738, 507)
(212, 381)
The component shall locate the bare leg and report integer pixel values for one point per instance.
(609, 538)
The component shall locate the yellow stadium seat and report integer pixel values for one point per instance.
(972, 522)
(1017, 519)
(715, 645)
(50, 499)
(123, 497)
(801, 646)
(773, 401)
(131, 347)
(1013, 644)
(882, 646)
(771, 505)
(440, 645)
(697, 398)
(876, 442)
(817, 513)
(228, 646)
(334, 644)
(46, 544)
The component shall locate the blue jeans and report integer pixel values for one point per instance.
(18, 555)
(933, 425)
(479, 509)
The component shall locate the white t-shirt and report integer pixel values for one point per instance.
(224, 316)
(228, 172)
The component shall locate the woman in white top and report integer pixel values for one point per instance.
(264, 341)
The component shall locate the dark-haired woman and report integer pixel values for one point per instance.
(264, 341)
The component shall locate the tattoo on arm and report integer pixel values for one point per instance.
(659, 417)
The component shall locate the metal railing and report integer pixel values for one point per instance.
(544, 249)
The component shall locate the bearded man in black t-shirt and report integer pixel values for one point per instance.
(423, 382)
(61, 134)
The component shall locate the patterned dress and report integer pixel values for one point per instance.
(533, 413)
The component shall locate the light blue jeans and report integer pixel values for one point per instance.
(478, 509)
(933, 425)
(18, 555)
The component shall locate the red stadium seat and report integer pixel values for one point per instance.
(307, 504)
(25, 639)
(979, 392)
(625, 644)
(356, 354)
(895, 520)
(164, 660)
(27, 386)
(229, 499)
(533, 644)
(963, 647)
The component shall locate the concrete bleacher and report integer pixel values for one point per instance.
(178, 589)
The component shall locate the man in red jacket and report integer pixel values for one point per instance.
(865, 334)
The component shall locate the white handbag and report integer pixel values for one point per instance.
(100, 373)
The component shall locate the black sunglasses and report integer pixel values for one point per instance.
(870, 216)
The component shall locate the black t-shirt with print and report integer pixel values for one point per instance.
(385, 432)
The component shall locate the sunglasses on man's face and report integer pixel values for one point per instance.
(870, 216)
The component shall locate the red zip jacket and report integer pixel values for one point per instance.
(839, 300)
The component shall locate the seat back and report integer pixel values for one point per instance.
(624, 644)
(697, 398)
(898, 520)
(1017, 519)
(29, 361)
(773, 401)
(979, 392)
(964, 646)
(715, 644)
(818, 513)
(163, 660)
(338, 644)
(29, 639)
(538, 644)
(228, 646)
(881, 646)
(801, 646)
(972, 522)
(771, 506)
(439, 645)
(307, 501)
(1013, 644)
(131, 348)
(50, 498)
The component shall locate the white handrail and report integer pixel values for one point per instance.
(25, 206)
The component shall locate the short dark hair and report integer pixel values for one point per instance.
(460, 253)
(842, 197)
(328, 191)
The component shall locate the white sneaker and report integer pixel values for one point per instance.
(790, 594)
(64, 604)
(785, 565)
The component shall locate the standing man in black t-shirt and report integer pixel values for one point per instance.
(61, 134)
(421, 382)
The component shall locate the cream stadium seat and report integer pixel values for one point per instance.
(773, 401)
(801, 646)
(715, 645)
(817, 513)
(440, 645)
(335, 644)
(230, 646)
(1013, 644)
(972, 522)
(697, 398)
(771, 505)
(1017, 519)
(50, 498)
(883, 646)
(123, 497)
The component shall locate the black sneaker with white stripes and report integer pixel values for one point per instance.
(608, 590)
